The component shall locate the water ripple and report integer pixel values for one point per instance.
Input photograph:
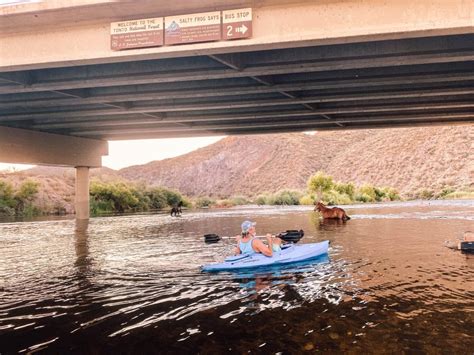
(133, 283)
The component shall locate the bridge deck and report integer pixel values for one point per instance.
(390, 83)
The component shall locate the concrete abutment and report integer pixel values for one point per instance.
(32, 147)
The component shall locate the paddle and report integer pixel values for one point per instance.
(291, 235)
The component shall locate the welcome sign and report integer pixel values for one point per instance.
(136, 33)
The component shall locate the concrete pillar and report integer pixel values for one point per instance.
(82, 192)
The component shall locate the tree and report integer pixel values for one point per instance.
(319, 183)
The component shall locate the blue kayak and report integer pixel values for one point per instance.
(291, 254)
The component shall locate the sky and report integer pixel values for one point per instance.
(126, 153)
(16, 2)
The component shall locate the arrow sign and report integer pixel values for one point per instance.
(237, 24)
(242, 29)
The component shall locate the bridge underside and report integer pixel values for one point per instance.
(390, 83)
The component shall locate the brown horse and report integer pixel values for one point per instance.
(333, 213)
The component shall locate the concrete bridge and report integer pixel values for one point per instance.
(309, 65)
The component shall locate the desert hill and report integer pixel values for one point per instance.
(408, 159)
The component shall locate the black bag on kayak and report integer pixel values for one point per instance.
(211, 238)
(291, 235)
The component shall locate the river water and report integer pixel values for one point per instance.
(132, 284)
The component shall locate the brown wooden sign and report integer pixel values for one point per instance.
(136, 33)
(202, 27)
(237, 24)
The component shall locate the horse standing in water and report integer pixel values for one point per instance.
(176, 209)
(332, 213)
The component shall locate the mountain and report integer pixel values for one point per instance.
(408, 159)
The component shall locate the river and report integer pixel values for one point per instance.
(131, 284)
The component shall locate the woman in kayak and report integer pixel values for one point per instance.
(248, 244)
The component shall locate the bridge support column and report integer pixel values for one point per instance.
(82, 193)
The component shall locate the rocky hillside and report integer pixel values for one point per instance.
(408, 159)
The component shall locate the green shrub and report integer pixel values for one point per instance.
(459, 195)
(283, 197)
(319, 183)
(186, 202)
(157, 197)
(379, 194)
(122, 197)
(363, 198)
(173, 197)
(369, 192)
(29, 210)
(19, 202)
(343, 188)
(261, 199)
(287, 197)
(224, 203)
(335, 198)
(7, 195)
(98, 207)
(6, 211)
(307, 200)
(204, 202)
(239, 200)
(27, 191)
(425, 194)
(391, 193)
(445, 192)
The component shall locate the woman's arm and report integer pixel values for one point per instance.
(258, 246)
(237, 248)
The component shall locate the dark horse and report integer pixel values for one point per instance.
(176, 209)
(333, 213)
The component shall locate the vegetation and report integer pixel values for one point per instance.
(21, 199)
(231, 202)
(445, 194)
(121, 197)
(323, 187)
(283, 197)
(204, 202)
(320, 183)
(18, 202)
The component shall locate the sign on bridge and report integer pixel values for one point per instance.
(136, 33)
(203, 27)
(237, 24)
(182, 29)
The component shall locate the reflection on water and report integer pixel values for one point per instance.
(133, 284)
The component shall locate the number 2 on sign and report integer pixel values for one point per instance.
(229, 31)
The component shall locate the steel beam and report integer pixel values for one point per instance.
(257, 125)
(232, 104)
(128, 121)
(264, 70)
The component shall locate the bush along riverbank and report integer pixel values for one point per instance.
(119, 197)
(323, 187)
(320, 187)
(23, 200)
(30, 197)
(19, 201)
